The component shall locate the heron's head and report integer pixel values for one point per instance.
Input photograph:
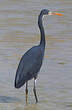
(48, 12)
(44, 12)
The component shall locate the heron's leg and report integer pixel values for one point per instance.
(26, 92)
(34, 89)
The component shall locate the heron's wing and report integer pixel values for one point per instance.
(30, 63)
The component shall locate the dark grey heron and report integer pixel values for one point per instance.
(31, 61)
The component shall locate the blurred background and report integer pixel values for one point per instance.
(18, 32)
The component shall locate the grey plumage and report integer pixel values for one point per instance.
(29, 65)
(31, 61)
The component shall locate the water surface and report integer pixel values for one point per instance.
(19, 32)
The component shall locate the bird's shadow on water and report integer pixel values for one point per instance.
(8, 99)
(28, 107)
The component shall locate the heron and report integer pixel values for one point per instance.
(31, 62)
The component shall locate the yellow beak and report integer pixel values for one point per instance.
(55, 13)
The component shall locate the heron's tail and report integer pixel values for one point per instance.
(18, 83)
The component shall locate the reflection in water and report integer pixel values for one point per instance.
(30, 107)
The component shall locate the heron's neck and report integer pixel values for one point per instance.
(42, 41)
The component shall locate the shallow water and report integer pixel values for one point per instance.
(19, 32)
